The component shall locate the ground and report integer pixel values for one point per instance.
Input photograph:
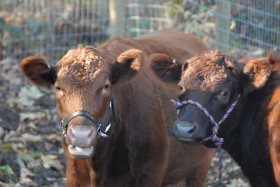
(30, 149)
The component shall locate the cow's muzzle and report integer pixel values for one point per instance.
(81, 140)
(188, 132)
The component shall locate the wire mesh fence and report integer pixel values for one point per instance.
(145, 16)
(252, 26)
(49, 27)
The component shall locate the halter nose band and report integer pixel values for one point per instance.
(79, 113)
(215, 129)
(102, 128)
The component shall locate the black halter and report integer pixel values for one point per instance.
(102, 128)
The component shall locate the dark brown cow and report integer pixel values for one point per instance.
(92, 88)
(252, 130)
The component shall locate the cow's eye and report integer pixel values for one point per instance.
(225, 93)
(59, 91)
(223, 96)
(180, 87)
(107, 86)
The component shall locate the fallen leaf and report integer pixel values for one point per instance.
(32, 116)
(11, 71)
(6, 169)
(7, 147)
(34, 164)
(52, 137)
(17, 146)
(9, 136)
(26, 97)
(28, 155)
(24, 177)
(2, 132)
(51, 161)
(31, 138)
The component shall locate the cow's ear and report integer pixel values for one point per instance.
(235, 66)
(165, 67)
(257, 73)
(38, 71)
(274, 61)
(127, 65)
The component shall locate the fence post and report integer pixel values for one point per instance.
(2, 25)
(117, 18)
(223, 16)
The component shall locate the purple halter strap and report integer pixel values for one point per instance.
(214, 137)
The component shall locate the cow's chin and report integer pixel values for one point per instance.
(80, 152)
(197, 141)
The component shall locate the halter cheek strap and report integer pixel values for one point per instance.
(102, 128)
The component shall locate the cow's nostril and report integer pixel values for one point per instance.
(192, 129)
(90, 133)
(185, 128)
(70, 133)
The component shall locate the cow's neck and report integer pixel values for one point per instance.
(111, 159)
(247, 144)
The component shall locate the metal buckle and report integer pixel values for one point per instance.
(63, 129)
(101, 133)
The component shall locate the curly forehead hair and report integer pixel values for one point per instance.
(81, 55)
(206, 70)
(82, 63)
(206, 61)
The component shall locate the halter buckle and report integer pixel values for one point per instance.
(103, 135)
(63, 128)
(100, 133)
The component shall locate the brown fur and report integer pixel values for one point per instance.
(274, 121)
(274, 138)
(139, 150)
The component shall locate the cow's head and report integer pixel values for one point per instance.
(215, 81)
(83, 80)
